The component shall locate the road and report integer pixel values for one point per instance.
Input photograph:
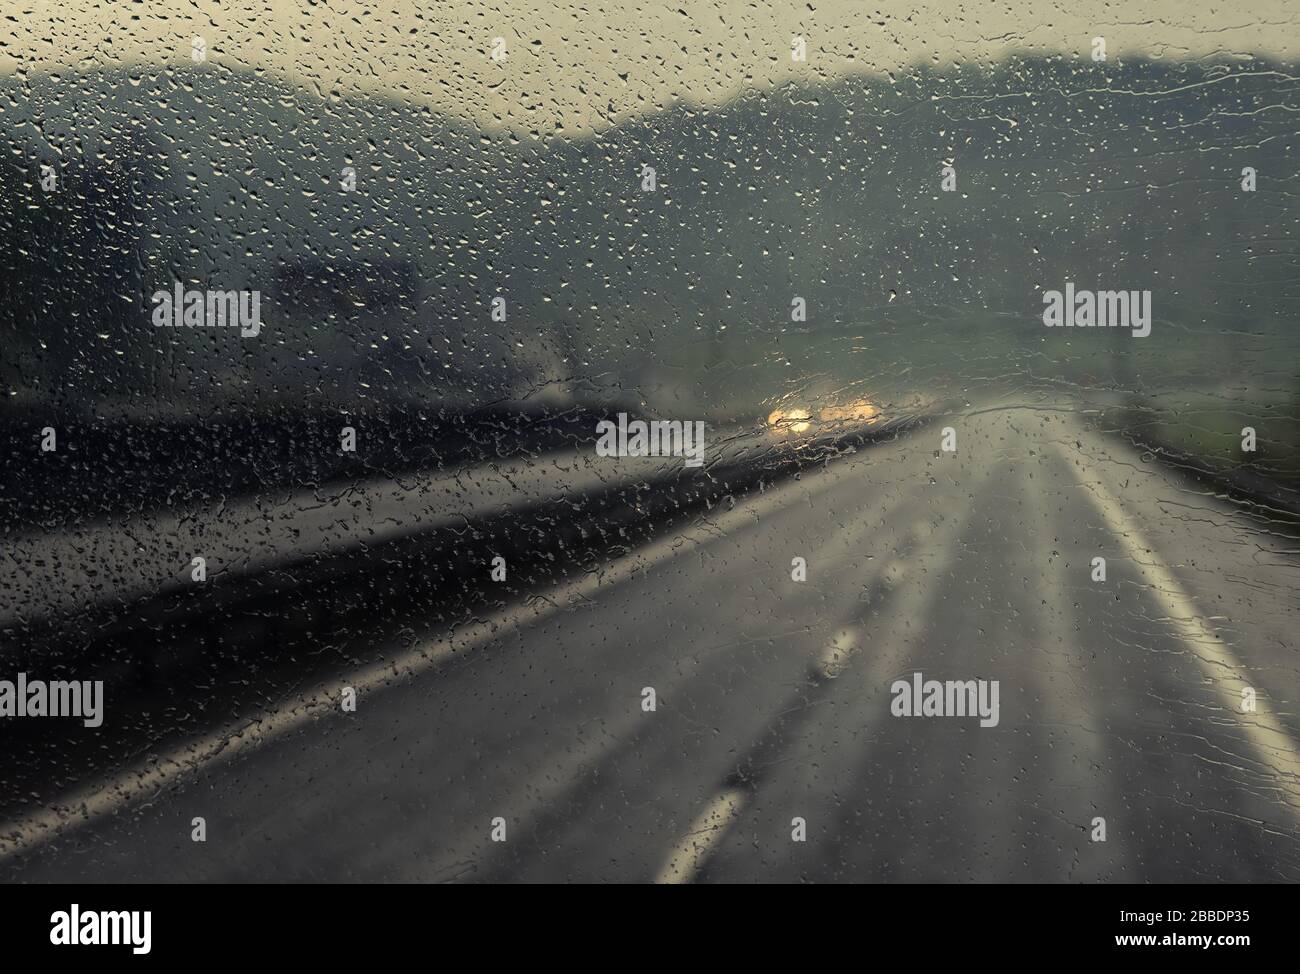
(1119, 700)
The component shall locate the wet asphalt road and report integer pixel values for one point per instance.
(1117, 701)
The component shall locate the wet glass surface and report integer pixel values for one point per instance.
(728, 443)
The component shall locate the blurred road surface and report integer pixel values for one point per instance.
(1120, 700)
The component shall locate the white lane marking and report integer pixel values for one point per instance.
(1273, 745)
(849, 640)
(706, 831)
(693, 850)
(148, 779)
(551, 783)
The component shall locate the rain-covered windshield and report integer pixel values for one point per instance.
(723, 442)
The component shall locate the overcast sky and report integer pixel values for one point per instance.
(581, 65)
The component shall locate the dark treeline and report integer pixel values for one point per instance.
(1114, 175)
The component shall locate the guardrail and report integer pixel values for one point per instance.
(112, 567)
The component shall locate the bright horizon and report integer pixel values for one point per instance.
(574, 68)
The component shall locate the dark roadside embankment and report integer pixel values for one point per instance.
(204, 656)
(1264, 484)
